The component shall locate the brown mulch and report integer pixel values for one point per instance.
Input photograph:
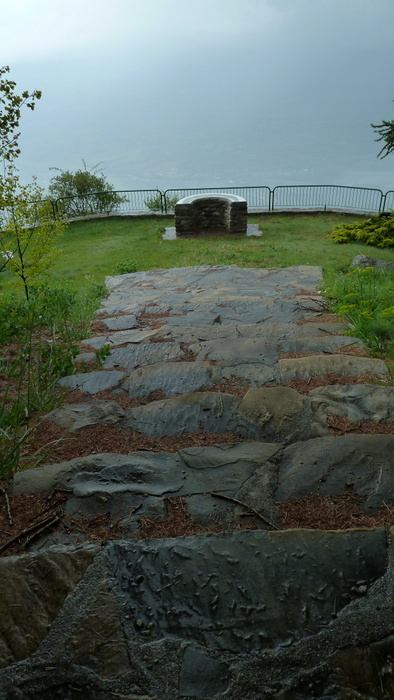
(36, 514)
(110, 438)
(332, 513)
(233, 387)
(352, 349)
(343, 426)
(123, 399)
(152, 320)
(321, 318)
(24, 516)
(178, 524)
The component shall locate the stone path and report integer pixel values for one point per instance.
(261, 613)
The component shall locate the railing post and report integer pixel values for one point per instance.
(382, 204)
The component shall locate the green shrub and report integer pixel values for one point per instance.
(158, 203)
(365, 298)
(125, 268)
(377, 231)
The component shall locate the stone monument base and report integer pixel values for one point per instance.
(171, 234)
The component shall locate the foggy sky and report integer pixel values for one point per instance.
(174, 93)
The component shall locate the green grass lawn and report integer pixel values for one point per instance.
(91, 249)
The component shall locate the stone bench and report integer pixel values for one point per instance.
(211, 214)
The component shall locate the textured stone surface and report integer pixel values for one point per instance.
(330, 465)
(305, 367)
(312, 345)
(188, 413)
(116, 484)
(92, 382)
(360, 402)
(281, 413)
(119, 338)
(118, 323)
(146, 354)
(32, 591)
(98, 641)
(201, 675)
(173, 378)
(207, 589)
(74, 417)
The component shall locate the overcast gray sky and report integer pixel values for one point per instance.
(204, 92)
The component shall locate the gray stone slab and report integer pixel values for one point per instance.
(253, 374)
(92, 382)
(171, 378)
(181, 474)
(243, 351)
(201, 675)
(52, 476)
(346, 365)
(154, 473)
(246, 591)
(281, 413)
(74, 417)
(122, 322)
(135, 356)
(279, 331)
(32, 591)
(357, 402)
(119, 338)
(330, 465)
(188, 413)
(319, 344)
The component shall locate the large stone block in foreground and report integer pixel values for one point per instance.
(243, 592)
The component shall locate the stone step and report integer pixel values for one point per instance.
(134, 356)
(345, 365)
(218, 596)
(278, 414)
(217, 331)
(93, 382)
(330, 465)
(360, 402)
(313, 345)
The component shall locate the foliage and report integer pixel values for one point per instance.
(29, 231)
(83, 192)
(159, 203)
(10, 113)
(102, 354)
(386, 134)
(377, 231)
(365, 298)
(39, 343)
(125, 268)
(155, 202)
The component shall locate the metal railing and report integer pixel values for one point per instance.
(326, 197)
(388, 201)
(110, 202)
(362, 200)
(37, 210)
(256, 197)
